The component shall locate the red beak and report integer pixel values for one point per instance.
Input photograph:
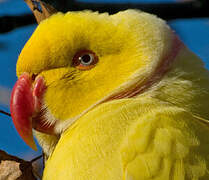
(25, 106)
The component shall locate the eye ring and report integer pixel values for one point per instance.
(84, 60)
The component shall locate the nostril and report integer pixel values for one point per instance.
(33, 77)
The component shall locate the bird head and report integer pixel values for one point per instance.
(73, 62)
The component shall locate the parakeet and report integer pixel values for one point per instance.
(113, 97)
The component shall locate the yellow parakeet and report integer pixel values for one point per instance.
(113, 97)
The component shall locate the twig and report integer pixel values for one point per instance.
(12, 166)
(6, 113)
(36, 158)
(187, 9)
(8, 23)
(40, 9)
(167, 11)
(34, 170)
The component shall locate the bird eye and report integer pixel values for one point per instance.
(85, 59)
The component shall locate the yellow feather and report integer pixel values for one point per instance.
(129, 46)
(156, 135)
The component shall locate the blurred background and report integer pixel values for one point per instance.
(188, 18)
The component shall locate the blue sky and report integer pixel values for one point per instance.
(194, 33)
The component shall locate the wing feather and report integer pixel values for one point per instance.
(166, 144)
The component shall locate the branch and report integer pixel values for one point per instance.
(5, 113)
(13, 168)
(8, 23)
(167, 11)
(40, 9)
